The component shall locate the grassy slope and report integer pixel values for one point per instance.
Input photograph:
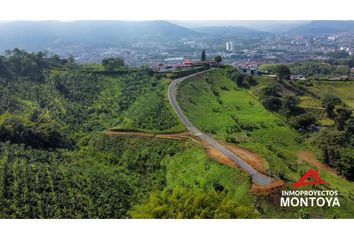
(339, 88)
(192, 168)
(344, 90)
(273, 140)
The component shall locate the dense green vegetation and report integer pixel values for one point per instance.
(329, 105)
(55, 162)
(342, 89)
(318, 69)
(111, 64)
(336, 141)
(198, 187)
(311, 69)
(216, 103)
(53, 159)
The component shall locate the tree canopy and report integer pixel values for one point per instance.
(113, 63)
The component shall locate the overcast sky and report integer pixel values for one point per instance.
(176, 9)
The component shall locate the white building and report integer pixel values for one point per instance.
(230, 46)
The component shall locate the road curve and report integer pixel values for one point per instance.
(257, 177)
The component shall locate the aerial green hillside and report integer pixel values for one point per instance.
(57, 162)
(233, 114)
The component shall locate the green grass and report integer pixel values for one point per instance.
(212, 101)
(192, 168)
(193, 171)
(343, 90)
(93, 66)
(204, 109)
(310, 102)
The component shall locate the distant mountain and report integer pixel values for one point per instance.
(324, 27)
(42, 34)
(232, 32)
(260, 25)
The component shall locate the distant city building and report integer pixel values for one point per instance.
(187, 62)
(229, 46)
(297, 77)
(246, 70)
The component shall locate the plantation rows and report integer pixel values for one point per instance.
(52, 188)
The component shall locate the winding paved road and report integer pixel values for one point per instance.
(257, 177)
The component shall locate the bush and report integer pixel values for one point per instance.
(111, 64)
(48, 135)
(303, 121)
(187, 203)
(272, 103)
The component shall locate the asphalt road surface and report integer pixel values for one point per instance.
(257, 177)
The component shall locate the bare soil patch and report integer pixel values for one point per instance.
(221, 158)
(249, 157)
(303, 156)
(133, 133)
(274, 187)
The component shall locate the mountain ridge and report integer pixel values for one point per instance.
(232, 31)
(34, 35)
(324, 27)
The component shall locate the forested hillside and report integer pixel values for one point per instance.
(57, 162)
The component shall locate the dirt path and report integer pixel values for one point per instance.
(268, 189)
(132, 133)
(249, 157)
(303, 156)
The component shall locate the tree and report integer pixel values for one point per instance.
(339, 54)
(111, 64)
(346, 162)
(271, 103)
(349, 127)
(283, 72)
(271, 90)
(343, 114)
(238, 79)
(330, 141)
(203, 56)
(329, 102)
(218, 59)
(303, 121)
(351, 62)
(289, 105)
(29, 66)
(250, 80)
(185, 203)
(336, 151)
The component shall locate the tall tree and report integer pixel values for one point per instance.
(343, 114)
(218, 59)
(289, 105)
(283, 72)
(329, 102)
(203, 56)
